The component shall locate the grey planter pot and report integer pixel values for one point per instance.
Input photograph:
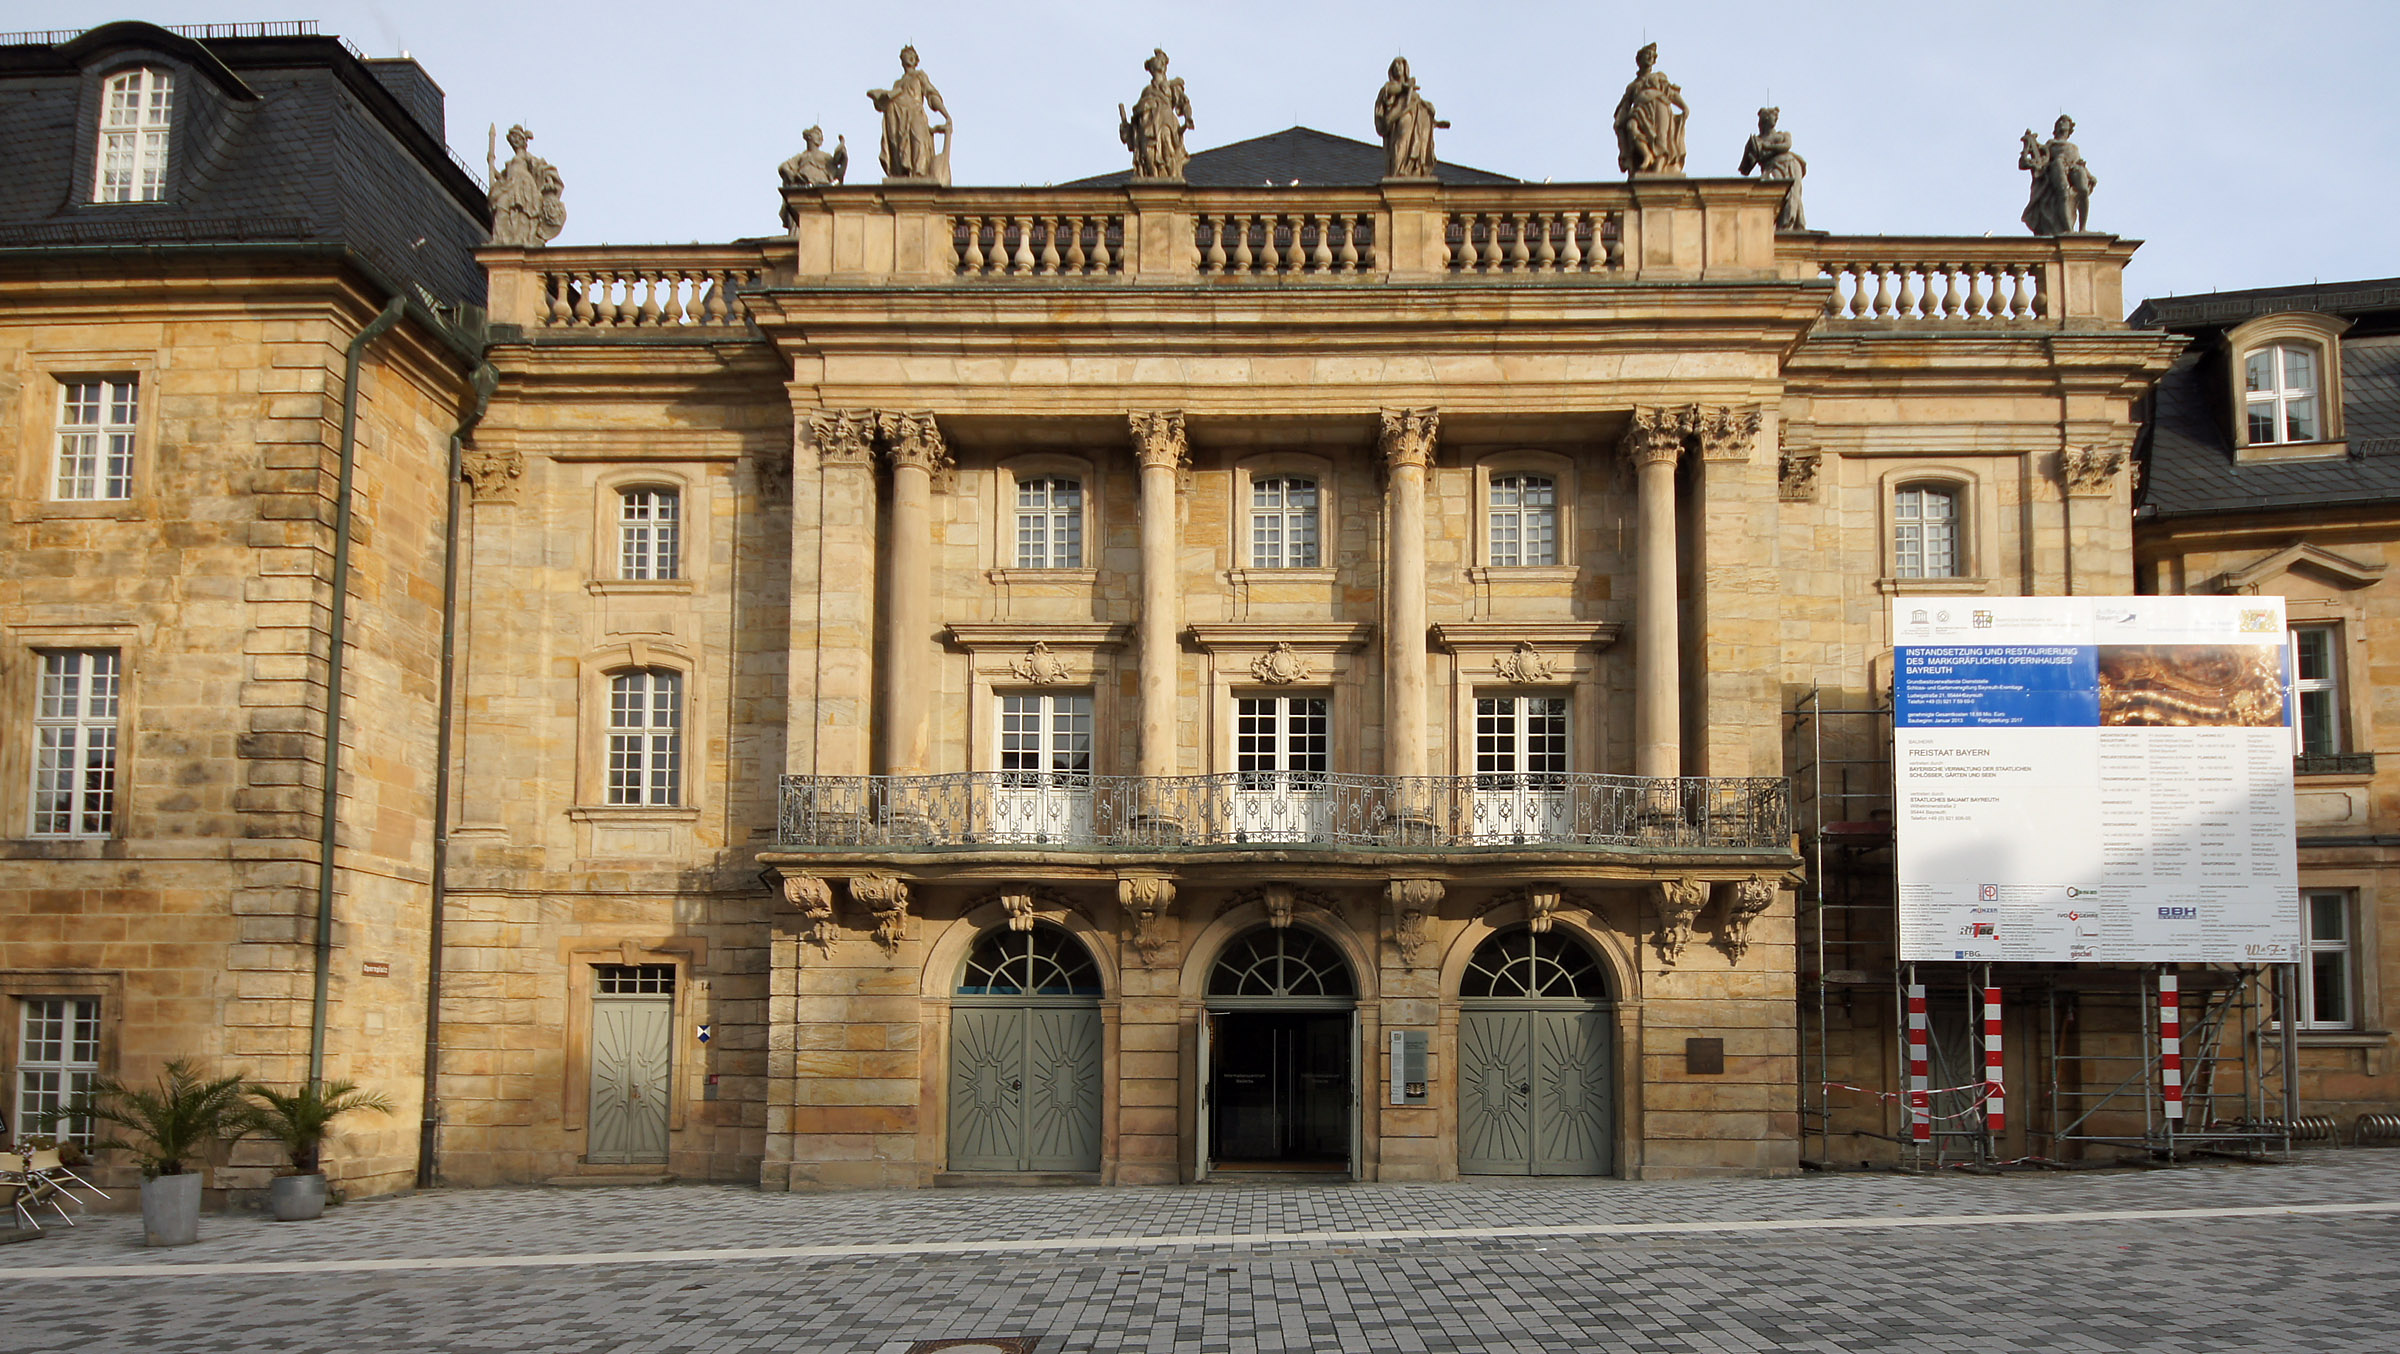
(171, 1210)
(296, 1198)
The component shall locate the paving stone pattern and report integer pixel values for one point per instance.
(2317, 1282)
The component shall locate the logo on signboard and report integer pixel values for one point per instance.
(2260, 622)
(1917, 617)
(2178, 913)
(1990, 893)
(1981, 620)
(1942, 616)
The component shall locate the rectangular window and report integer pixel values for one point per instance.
(649, 533)
(1524, 521)
(2327, 993)
(96, 421)
(2317, 689)
(1043, 737)
(138, 111)
(634, 980)
(1925, 533)
(2279, 392)
(75, 744)
(1283, 523)
(58, 1056)
(1520, 739)
(645, 738)
(1050, 524)
(1280, 739)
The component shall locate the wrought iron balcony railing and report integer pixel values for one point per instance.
(1070, 812)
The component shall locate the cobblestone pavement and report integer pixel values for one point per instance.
(2297, 1257)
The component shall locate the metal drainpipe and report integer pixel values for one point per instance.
(486, 379)
(337, 634)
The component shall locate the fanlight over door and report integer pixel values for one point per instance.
(1025, 1064)
(1290, 962)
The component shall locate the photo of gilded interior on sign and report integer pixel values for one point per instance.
(2192, 685)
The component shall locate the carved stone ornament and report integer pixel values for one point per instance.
(1524, 665)
(1412, 901)
(1409, 436)
(1158, 439)
(1406, 123)
(1746, 900)
(1541, 907)
(909, 152)
(775, 474)
(1771, 154)
(1649, 119)
(1278, 899)
(1020, 910)
(1679, 904)
(913, 440)
(1145, 899)
(1728, 432)
(1280, 666)
(812, 898)
(886, 896)
(2088, 471)
(492, 475)
(843, 436)
(1154, 130)
(2060, 201)
(1040, 666)
(1655, 434)
(526, 197)
(1796, 476)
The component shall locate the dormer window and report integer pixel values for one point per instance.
(137, 108)
(2281, 394)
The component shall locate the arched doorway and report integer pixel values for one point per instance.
(1537, 1039)
(1280, 1053)
(1025, 1055)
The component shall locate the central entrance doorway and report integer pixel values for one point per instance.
(1279, 1056)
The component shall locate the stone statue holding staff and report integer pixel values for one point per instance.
(1406, 122)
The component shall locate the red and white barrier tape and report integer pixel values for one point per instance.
(2170, 1045)
(1920, 1118)
(1995, 1094)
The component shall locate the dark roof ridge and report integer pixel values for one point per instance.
(2216, 309)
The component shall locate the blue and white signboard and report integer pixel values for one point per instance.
(2094, 779)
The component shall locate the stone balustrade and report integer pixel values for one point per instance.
(1060, 244)
(1252, 242)
(1510, 240)
(2028, 280)
(624, 288)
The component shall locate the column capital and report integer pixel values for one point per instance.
(2090, 470)
(913, 440)
(1408, 437)
(1727, 432)
(1657, 434)
(1158, 439)
(843, 436)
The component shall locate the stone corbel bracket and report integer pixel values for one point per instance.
(2090, 472)
(1542, 903)
(812, 898)
(886, 898)
(1679, 904)
(1746, 900)
(1411, 901)
(1281, 901)
(1025, 904)
(492, 475)
(1145, 900)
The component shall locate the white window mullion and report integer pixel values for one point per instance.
(58, 1057)
(136, 118)
(645, 738)
(75, 744)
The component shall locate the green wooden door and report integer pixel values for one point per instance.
(1025, 1088)
(1536, 1091)
(632, 1048)
(1495, 1092)
(1062, 1089)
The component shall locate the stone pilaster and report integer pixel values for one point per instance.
(830, 692)
(913, 444)
(1408, 442)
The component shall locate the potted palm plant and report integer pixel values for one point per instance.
(175, 1126)
(300, 1120)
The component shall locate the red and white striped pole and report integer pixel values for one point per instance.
(1920, 1102)
(1995, 1093)
(2170, 1045)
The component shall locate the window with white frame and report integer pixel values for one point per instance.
(649, 533)
(137, 110)
(1283, 523)
(1925, 531)
(58, 1057)
(96, 424)
(2280, 393)
(1523, 521)
(1050, 523)
(2317, 688)
(75, 744)
(2328, 996)
(1520, 740)
(645, 737)
(1282, 740)
(1045, 739)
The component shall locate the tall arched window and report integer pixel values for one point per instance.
(136, 111)
(1925, 540)
(649, 532)
(2281, 394)
(645, 737)
(1524, 521)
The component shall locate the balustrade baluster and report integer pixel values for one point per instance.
(2020, 293)
(1240, 225)
(1487, 243)
(1020, 254)
(1046, 263)
(604, 303)
(1458, 248)
(1848, 281)
(671, 309)
(1295, 259)
(1514, 257)
(1072, 260)
(650, 312)
(1570, 251)
(1883, 291)
(970, 247)
(1545, 256)
(1320, 250)
(1937, 291)
(2039, 283)
(1212, 259)
(1979, 300)
(1904, 306)
(585, 313)
(556, 289)
(1102, 259)
(1962, 291)
(1612, 239)
(1345, 259)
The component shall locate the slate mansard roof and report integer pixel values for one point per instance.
(279, 137)
(2187, 445)
(1304, 155)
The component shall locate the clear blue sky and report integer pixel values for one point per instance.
(2250, 144)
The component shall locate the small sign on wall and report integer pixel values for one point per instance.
(376, 968)
(1406, 1072)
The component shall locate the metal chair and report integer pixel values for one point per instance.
(16, 1185)
(46, 1165)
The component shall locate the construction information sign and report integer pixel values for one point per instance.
(2094, 779)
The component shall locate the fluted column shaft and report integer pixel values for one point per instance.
(1408, 442)
(1159, 443)
(914, 446)
(1654, 442)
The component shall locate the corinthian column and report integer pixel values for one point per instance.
(1408, 439)
(1158, 442)
(1653, 442)
(914, 445)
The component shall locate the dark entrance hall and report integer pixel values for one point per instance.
(1282, 1087)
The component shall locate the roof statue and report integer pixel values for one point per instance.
(1770, 153)
(1406, 123)
(812, 167)
(527, 210)
(908, 154)
(1649, 120)
(2061, 201)
(1154, 130)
